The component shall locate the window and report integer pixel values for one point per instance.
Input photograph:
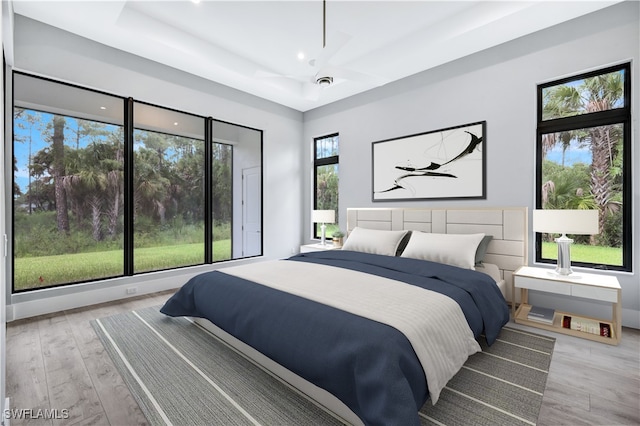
(584, 162)
(236, 193)
(325, 178)
(168, 189)
(105, 186)
(67, 186)
(222, 199)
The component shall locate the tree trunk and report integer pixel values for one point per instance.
(96, 207)
(161, 212)
(112, 213)
(113, 209)
(57, 148)
(600, 176)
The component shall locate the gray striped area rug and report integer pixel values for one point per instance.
(502, 385)
(180, 374)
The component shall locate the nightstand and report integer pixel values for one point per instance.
(589, 286)
(317, 247)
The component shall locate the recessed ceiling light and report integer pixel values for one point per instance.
(103, 107)
(300, 56)
(196, 1)
(175, 123)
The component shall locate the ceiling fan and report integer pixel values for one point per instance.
(327, 74)
(323, 77)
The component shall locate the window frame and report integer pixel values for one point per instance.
(621, 116)
(128, 171)
(320, 162)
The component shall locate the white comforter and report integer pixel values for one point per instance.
(433, 323)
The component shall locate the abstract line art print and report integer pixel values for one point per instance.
(441, 164)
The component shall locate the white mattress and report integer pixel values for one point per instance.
(493, 271)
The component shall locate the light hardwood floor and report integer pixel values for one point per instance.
(57, 362)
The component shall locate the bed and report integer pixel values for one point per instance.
(376, 329)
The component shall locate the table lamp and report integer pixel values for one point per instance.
(577, 222)
(323, 217)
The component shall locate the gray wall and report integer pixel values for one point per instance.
(499, 86)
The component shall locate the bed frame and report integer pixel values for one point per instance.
(508, 250)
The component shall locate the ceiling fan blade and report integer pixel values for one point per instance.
(347, 74)
(268, 74)
(335, 43)
(311, 91)
(263, 74)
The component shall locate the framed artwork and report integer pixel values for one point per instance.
(442, 164)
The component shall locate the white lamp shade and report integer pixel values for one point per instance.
(577, 222)
(323, 216)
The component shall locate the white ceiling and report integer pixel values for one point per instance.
(253, 45)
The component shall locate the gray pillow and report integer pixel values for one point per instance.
(482, 249)
(403, 243)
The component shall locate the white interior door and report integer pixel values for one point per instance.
(251, 212)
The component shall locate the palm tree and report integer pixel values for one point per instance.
(595, 94)
(58, 166)
(29, 120)
(92, 183)
(150, 186)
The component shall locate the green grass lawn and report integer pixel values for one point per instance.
(585, 253)
(44, 271)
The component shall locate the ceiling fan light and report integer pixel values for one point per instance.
(324, 81)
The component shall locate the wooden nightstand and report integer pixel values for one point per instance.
(317, 247)
(589, 286)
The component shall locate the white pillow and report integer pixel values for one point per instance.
(374, 241)
(452, 249)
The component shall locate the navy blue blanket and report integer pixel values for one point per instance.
(369, 366)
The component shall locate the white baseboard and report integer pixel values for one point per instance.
(31, 308)
(46, 301)
(630, 318)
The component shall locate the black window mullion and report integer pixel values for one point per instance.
(326, 161)
(208, 199)
(627, 218)
(232, 200)
(129, 187)
(595, 119)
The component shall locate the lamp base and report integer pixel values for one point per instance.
(564, 255)
(573, 276)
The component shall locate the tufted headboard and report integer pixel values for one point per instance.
(507, 225)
